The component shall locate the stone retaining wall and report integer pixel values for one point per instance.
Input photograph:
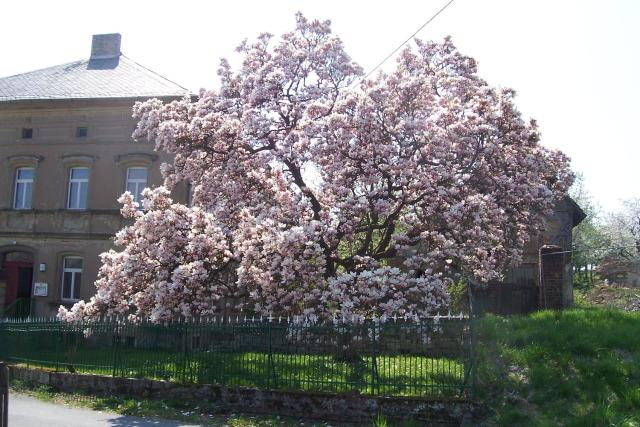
(326, 406)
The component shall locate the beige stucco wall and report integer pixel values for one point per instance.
(49, 230)
(108, 150)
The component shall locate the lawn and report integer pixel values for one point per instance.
(408, 375)
(578, 367)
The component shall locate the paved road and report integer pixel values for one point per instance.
(25, 411)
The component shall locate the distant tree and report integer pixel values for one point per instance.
(591, 239)
(631, 215)
(319, 183)
(624, 229)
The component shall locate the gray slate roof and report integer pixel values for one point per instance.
(91, 78)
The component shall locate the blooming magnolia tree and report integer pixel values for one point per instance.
(172, 264)
(332, 195)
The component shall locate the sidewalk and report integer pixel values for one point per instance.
(25, 411)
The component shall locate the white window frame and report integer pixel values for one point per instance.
(79, 181)
(73, 272)
(19, 181)
(136, 182)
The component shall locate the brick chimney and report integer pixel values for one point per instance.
(105, 46)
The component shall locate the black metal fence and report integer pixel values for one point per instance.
(430, 357)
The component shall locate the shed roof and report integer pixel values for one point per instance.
(577, 214)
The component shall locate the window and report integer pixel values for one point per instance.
(78, 187)
(82, 132)
(71, 277)
(27, 133)
(136, 182)
(23, 189)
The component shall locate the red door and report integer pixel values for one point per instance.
(19, 278)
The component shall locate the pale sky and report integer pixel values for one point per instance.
(574, 64)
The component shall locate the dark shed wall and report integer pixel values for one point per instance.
(519, 292)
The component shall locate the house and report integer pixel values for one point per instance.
(67, 155)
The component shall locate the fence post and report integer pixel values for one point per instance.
(116, 344)
(375, 380)
(57, 344)
(472, 339)
(4, 395)
(472, 355)
(184, 333)
(270, 370)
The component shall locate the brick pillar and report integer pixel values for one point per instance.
(552, 275)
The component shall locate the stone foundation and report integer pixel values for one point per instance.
(340, 407)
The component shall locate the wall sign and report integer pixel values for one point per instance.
(40, 289)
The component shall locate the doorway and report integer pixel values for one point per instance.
(17, 274)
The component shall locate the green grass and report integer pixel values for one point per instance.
(404, 375)
(578, 367)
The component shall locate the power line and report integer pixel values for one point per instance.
(408, 39)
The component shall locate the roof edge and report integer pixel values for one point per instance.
(578, 215)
